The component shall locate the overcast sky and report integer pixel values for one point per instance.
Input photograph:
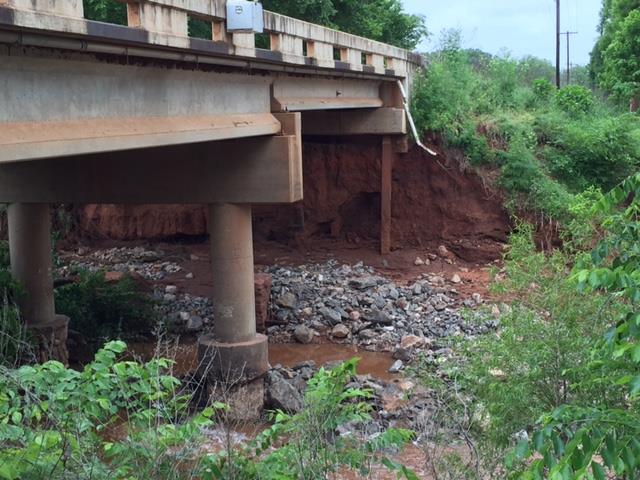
(522, 27)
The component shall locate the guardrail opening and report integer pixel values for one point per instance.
(199, 28)
(108, 11)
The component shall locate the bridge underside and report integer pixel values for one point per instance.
(80, 128)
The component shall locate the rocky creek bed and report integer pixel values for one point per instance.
(352, 307)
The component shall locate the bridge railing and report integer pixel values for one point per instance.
(291, 41)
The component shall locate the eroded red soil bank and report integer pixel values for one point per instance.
(342, 195)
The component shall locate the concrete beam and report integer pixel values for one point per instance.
(253, 170)
(305, 104)
(35, 140)
(380, 121)
(34, 89)
(294, 94)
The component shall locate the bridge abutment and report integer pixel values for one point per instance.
(234, 359)
(31, 266)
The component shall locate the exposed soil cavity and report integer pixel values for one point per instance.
(185, 356)
(432, 202)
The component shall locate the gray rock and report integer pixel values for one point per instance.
(282, 395)
(340, 331)
(195, 323)
(332, 316)
(397, 366)
(287, 300)
(363, 283)
(367, 334)
(402, 354)
(303, 334)
(378, 317)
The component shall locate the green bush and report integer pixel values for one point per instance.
(101, 310)
(575, 99)
(543, 90)
(591, 151)
(59, 423)
(120, 419)
(107, 11)
(597, 436)
(539, 359)
(548, 144)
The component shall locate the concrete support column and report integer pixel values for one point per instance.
(235, 358)
(233, 298)
(31, 266)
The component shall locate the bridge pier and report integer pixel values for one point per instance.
(234, 359)
(31, 266)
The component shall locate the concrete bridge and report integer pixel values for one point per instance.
(100, 113)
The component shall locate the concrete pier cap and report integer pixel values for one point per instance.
(31, 265)
(234, 359)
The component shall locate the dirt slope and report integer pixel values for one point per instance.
(342, 196)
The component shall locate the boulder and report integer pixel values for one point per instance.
(303, 334)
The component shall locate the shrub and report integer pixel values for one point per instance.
(58, 423)
(591, 152)
(126, 420)
(101, 310)
(539, 359)
(575, 99)
(597, 436)
(543, 90)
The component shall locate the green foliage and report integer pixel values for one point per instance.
(593, 436)
(102, 310)
(119, 419)
(312, 449)
(543, 90)
(590, 152)
(499, 112)
(575, 100)
(107, 11)
(114, 419)
(527, 184)
(382, 20)
(614, 60)
(539, 358)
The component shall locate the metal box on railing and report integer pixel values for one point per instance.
(245, 16)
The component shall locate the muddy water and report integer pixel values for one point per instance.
(185, 356)
(375, 364)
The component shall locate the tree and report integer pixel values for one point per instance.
(382, 20)
(615, 57)
(105, 11)
(621, 66)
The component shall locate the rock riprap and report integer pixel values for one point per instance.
(351, 304)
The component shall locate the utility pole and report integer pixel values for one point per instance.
(568, 55)
(558, 43)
